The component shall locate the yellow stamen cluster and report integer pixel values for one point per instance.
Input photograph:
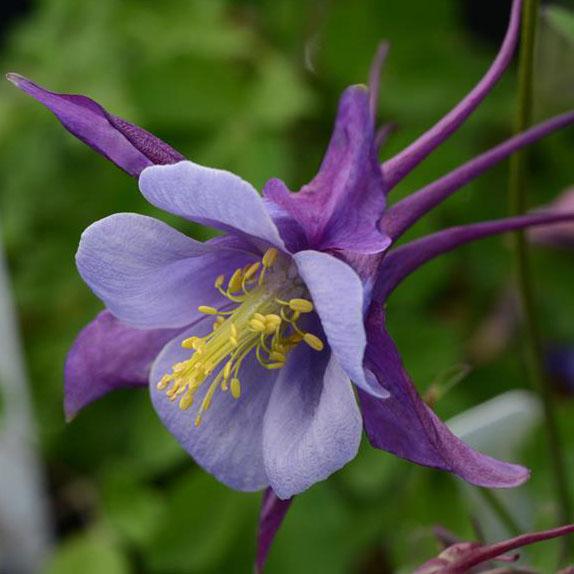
(260, 322)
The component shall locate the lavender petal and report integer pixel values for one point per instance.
(151, 276)
(312, 426)
(338, 296)
(212, 197)
(229, 441)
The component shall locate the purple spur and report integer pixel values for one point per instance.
(251, 343)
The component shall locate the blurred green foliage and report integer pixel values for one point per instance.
(252, 86)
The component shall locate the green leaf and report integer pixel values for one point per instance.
(201, 523)
(90, 553)
(132, 508)
(561, 19)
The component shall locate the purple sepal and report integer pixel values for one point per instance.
(341, 207)
(108, 355)
(131, 148)
(405, 426)
(273, 511)
(404, 162)
(401, 262)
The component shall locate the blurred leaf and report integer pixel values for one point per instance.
(279, 97)
(90, 553)
(561, 19)
(132, 509)
(202, 519)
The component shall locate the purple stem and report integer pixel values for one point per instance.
(405, 213)
(396, 168)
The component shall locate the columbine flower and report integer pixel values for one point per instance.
(255, 337)
(461, 557)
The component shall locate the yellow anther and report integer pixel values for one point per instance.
(186, 401)
(251, 270)
(259, 320)
(207, 310)
(313, 341)
(235, 388)
(301, 305)
(257, 325)
(198, 346)
(164, 382)
(277, 356)
(235, 281)
(269, 257)
(172, 393)
(189, 343)
(272, 322)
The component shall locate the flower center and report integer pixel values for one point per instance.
(266, 301)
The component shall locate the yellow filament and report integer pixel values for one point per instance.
(207, 310)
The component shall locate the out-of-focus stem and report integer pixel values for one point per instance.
(518, 205)
(501, 512)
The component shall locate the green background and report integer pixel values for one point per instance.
(252, 86)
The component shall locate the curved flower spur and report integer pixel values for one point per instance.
(255, 337)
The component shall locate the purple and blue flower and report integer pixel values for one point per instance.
(265, 349)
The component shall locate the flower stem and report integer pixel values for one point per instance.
(518, 205)
(499, 509)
